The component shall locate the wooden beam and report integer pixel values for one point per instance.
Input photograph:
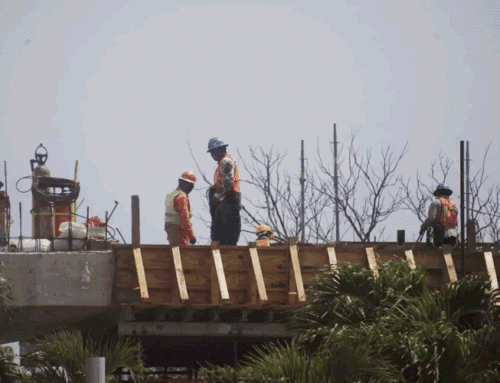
(410, 259)
(136, 221)
(219, 269)
(490, 266)
(179, 273)
(450, 267)
(257, 271)
(294, 256)
(141, 275)
(372, 261)
(332, 258)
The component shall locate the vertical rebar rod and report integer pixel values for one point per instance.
(336, 184)
(302, 196)
(106, 232)
(467, 183)
(462, 210)
(87, 231)
(5, 175)
(20, 227)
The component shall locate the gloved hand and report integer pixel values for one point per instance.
(193, 240)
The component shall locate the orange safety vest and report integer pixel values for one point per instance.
(218, 178)
(449, 213)
(264, 242)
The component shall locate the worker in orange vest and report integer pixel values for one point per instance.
(224, 196)
(178, 212)
(264, 235)
(443, 217)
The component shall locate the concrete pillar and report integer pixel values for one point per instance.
(95, 370)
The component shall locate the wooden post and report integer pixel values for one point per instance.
(179, 273)
(136, 221)
(257, 271)
(136, 243)
(294, 256)
(450, 267)
(410, 259)
(372, 261)
(332, 258)
(219, 270)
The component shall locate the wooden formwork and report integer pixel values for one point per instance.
(257, 277)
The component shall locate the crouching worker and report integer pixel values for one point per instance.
(178, 212)
(264, 235)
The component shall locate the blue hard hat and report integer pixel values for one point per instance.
(215, 143)
(442, 189)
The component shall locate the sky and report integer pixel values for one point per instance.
(121, 85)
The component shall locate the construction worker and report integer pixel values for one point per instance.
(264, 235)
(224, 195)
(443, 217)
(178, 212)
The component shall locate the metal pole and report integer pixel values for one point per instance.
(467, 183)
(95, 370)
(336, 184)
(302, 196)
(20, 227)
(462, 210)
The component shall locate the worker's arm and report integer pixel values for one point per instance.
(181, 205)
(432, 216)
(227, 173)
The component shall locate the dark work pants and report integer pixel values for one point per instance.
(226, 220)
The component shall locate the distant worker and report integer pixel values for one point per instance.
(178, 212)
(264, 235)
(443, 217)
(224, 196)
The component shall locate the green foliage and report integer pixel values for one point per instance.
(357, 328)
(9, 370)
(60, 357)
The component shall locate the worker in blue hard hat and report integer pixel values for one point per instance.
(443, 217)
(224, 195)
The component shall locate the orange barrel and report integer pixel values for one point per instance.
(62, 214)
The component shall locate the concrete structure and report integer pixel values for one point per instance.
(47, 290)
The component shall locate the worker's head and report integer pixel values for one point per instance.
(216, 148)
(265, 230)
(442, 190)
(187, 181)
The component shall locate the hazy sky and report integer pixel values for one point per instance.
(119, 86)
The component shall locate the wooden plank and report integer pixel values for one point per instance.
(261, 287)
(490, 266)
(179, 273)
(332, 258)
(141, 276)
(219, 269)
(410, 259)
(450, 267)
(296, 273)
(372, 261)
(136, 221)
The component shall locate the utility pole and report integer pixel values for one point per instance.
(336, 184)
(302, 194)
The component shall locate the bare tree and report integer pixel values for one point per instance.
(358, 176)
(279, 201)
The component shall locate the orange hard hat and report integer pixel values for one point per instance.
(188, 176)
